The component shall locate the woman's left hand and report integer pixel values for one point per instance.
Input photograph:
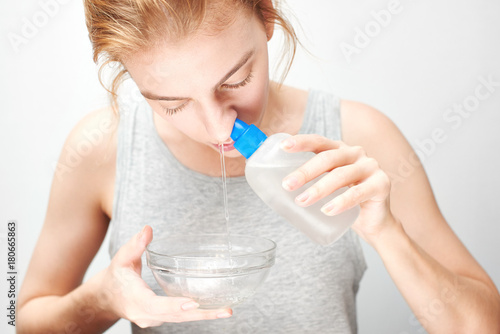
(347, 166)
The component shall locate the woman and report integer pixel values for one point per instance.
(197, 68)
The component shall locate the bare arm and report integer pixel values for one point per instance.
(445, 287)
(74, 228)
(53, 298)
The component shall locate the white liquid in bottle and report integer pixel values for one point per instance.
(266, 167)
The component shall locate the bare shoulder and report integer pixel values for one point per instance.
(412, 199)
(363, 125)
(78, 211)
(360, 121)
(94, 135)
(89, 154)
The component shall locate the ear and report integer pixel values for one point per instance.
(268, 21)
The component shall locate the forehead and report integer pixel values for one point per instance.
(203, 53)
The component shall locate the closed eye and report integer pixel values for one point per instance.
(239, 84)
(171, 111)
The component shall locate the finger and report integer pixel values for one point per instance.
(323, 162)
(209, 314)
(132, 251)
(200, 314)
(340, 177)
(311, 143)
(148, 309)
(162, 306)
(374, 188)
(147, 320)
(178, 309)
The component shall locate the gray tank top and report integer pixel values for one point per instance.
(310, 289)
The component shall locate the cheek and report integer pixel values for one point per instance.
(253, 101)
(178, 123)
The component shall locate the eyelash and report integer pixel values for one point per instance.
(171, 111)
(240, 84)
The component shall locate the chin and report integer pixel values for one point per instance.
(230, 152)
(233, 154)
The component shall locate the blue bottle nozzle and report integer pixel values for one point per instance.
(247, 138)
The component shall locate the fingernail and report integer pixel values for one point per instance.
(328, 209)
(190, 306)
(302, 197)
(141, 233)
(223, 315)
(287, 144)
(289, 183)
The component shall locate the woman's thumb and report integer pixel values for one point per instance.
(131, 252)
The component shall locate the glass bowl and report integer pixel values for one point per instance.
(215, 270)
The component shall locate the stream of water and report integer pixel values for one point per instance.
(224, 194)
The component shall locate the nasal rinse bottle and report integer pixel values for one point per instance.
(266, 167)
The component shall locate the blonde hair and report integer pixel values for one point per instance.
(119, 28)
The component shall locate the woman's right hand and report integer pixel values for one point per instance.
(126, 295)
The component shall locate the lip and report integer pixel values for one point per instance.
(227, 147)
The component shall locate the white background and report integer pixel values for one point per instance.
(426, 59)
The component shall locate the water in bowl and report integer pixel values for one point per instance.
(219, 281)
(210, 292)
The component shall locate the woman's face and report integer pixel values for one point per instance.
(199, 85)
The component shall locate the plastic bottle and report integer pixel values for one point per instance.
(266, 167)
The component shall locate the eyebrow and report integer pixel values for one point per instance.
(235, 69)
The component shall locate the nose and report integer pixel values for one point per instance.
(219, 120)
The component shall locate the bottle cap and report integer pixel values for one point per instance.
(247, 138)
